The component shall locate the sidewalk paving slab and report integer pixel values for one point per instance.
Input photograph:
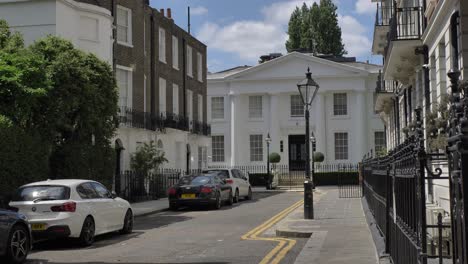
(339, 234)
(150, 207)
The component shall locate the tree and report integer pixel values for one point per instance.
(318, 157)
(147, 158)
(274, 157)
(318, 27)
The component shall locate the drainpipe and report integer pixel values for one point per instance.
(114, 35)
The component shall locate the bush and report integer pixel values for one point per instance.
(23, 159)
(319, 157)
(274, 157)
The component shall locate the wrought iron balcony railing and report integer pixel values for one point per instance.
(406, 24)
(383, 15)
(175, 121)
(138, 119)
(200, 128)
(383, 86)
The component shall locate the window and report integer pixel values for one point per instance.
(340, 104)
(379, 141)
(162, 45)
(255, 106)
(175, 52)
(189, 61)
(101, 191)
(256, 147)
(297, 107)
(86, 191)
(190, 105)
(124, 25)
(200, 67)
(162, 95)
(217, 108)
(200, 107)
(175, 98)
(341, 146)
(124, 82)
(217, 148)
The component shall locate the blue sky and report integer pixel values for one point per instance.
(237, 32)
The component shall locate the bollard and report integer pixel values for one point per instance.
(308, 200)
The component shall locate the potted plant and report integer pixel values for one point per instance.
(272, 179)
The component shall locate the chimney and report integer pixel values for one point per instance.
(169, 13)
(161, 11)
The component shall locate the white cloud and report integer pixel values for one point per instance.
(365, 7)
(198, 10)
(250, 39)
(354, 36)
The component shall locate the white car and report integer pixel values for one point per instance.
(72, 208)
(237, 179)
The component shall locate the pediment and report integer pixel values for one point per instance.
(294, 65)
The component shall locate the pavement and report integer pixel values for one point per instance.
(339, 234)
(156, 206)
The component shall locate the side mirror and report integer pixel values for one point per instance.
(113, 195)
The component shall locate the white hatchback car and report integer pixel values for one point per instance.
(237, 179)
(72, 208)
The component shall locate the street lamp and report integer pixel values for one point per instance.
(308, 89)
(268, 141)
(313, 140)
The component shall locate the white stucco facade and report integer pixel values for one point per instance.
(88, 27)
(275, 81)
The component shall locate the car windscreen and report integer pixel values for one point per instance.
(223, 174)
(42, 193)
(200, 180)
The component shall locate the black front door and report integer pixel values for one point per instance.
(297, 152)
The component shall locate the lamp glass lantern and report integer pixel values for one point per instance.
(308, 89)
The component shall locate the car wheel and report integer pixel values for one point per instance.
(18, 245)
(218, 202)
(230, 200)
(87, 232)
(128, 223)
(249, 197)
(236, 196)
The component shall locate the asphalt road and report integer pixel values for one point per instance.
(186, 236)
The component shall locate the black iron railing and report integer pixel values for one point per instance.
(383, 15)
(200, 128)
(406, 24)
(175, 121)
(383, 86)
(138, 119)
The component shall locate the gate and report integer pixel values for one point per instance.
(349, 182)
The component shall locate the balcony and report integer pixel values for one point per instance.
(129, 117)
(384, 92)
(406, 29)
(200, 128)
(175, 121)
(383, 17)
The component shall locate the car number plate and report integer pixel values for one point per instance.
(38, 227)
(188, 196)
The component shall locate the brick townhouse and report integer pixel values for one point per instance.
(159, 67)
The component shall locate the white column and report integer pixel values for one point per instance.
(275, 132)
(359, 135)
(233, 100)
(320, 124)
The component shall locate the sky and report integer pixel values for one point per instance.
(238, 32)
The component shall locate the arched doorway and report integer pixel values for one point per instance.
(118, 167)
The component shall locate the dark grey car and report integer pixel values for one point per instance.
(15, 237)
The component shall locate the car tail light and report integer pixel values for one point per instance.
(66, 207)
(229, 181)
(172, 191)
(206, 190)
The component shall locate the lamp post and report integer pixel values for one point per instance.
(312, 139)
(308, 88)
(268, 141)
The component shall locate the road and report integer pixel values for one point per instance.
(186, 236)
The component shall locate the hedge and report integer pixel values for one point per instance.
(23, 159)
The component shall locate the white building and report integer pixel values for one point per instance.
(247, 103)
(88, 27)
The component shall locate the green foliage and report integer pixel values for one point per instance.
(147, 158)
(62, 99)
(274, 157)
(381, 152)
(436, 124)
(319, 157)
(316, 29)
(23, 158)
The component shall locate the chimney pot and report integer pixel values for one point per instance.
(161, 11)
(169, 13)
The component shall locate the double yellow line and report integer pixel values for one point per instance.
(284, 244)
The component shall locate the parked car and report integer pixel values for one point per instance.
(237, 179)
(200, 190)
(72, 208)
(15, 237)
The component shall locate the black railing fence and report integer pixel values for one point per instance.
(383, 15)
(394, 188)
